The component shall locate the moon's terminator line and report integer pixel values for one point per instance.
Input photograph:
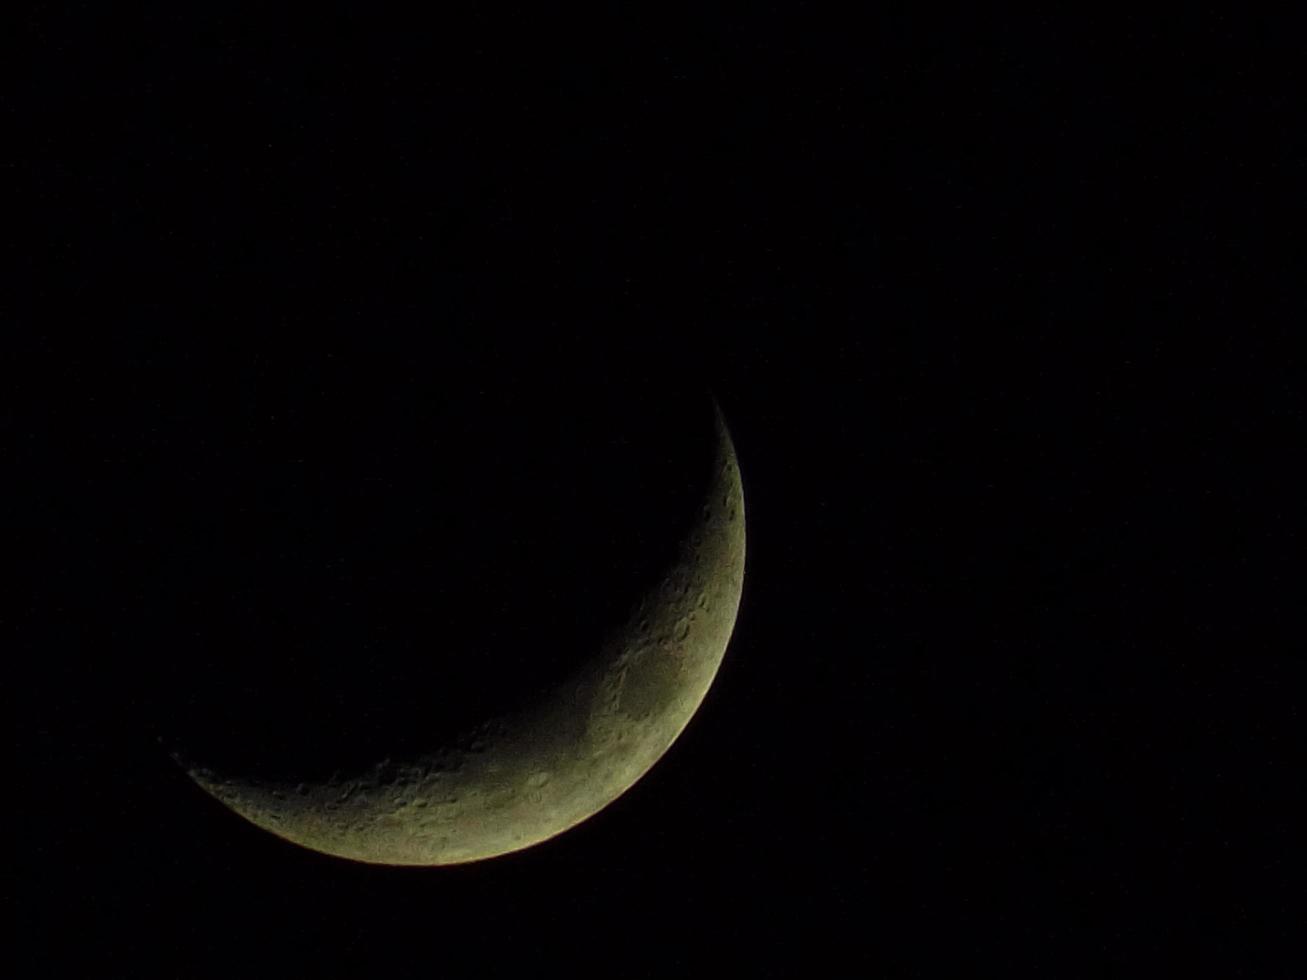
(521, 779)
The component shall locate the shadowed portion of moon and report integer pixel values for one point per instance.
(494, 781)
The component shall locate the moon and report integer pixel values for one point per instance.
(522, 778)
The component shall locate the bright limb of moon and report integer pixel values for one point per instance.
(524, 778)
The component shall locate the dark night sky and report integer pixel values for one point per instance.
(362, 362)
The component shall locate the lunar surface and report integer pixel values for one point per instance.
(520, 779)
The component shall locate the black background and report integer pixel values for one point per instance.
(363, 362)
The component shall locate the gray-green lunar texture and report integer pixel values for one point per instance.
(517, 780)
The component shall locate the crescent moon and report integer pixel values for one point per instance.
(521, 779)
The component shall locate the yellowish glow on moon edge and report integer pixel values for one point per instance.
(523, 779)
